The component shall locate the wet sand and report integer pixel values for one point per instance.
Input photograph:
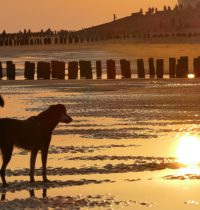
(120, 150)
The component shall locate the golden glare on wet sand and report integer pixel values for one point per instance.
(188, 150)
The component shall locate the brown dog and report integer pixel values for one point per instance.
(33, 134)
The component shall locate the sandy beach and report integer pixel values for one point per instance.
(108, 158)
(105, 97)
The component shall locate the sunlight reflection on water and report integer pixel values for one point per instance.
(193, 169)
(188, 150)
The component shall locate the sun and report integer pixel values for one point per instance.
(188, 150)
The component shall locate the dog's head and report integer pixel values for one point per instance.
(60, 111)
(1, 101)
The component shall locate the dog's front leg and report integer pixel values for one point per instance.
(44, 154)
(6, 154)
(34, 153)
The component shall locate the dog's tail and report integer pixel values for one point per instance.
(1, 101)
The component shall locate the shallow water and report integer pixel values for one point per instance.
(119, 152)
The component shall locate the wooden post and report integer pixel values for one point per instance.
(196, 65)
(152, 71)
(56, 40)
(10, 70)
(1, 70)
(178, 70)
(85, 69)
(99, 69)
(73, 70)
(140, 68)
(172, 67)
(88, 66)
(125, 68)
(43, 70)
(29, 70)
(58, 69)
(182, 67)
(185, 63)
(160, 68)
(111, 69)
(82, 69)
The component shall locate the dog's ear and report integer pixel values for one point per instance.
(58, 107)
(52, 107)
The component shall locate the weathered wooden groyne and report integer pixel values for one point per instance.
(82, 38)
(83, 69)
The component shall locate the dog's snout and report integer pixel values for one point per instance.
(66, 118)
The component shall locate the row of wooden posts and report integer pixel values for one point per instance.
(178, 68)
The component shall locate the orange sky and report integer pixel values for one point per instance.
(67, 14)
